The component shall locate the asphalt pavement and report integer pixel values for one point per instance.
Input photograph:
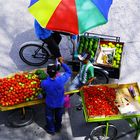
(16, 27)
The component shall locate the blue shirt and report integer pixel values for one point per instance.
(73, 37)
(54, 88)
(41, 33)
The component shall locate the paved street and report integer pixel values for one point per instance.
(16, 27)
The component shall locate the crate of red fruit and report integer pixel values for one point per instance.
(99, 102)
(18, 89)
(104, 102)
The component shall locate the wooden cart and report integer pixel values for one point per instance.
(22, 113)
(132, 118)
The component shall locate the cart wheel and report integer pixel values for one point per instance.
(18, 119)
(99, 133)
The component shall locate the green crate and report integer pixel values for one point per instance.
(112, 117)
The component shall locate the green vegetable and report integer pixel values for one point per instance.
(80, 48)
(95, 45)
(92, 53)
(37, 72)
(41, 74)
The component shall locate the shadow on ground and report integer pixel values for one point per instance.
(78, 124)
(14, 52)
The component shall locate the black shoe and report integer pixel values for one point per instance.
(51, 133)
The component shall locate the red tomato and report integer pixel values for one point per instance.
(99, 100)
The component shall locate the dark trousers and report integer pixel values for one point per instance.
(53, 44)
(54, 119)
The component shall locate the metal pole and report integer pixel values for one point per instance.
(23, 113)
(137, 128)
(107, 126)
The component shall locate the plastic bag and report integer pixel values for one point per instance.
(67, 101)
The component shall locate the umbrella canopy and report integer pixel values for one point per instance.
(72, 16)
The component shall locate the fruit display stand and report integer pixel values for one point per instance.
(109, 57)
(99, 44)
(19, 91)
(107, 43)
(116, 101)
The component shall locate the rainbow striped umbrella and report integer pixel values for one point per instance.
(72, 16)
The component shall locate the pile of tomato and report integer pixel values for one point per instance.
(19, 88)
(100, 100)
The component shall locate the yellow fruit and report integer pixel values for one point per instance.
(118, 62)
(117, 45)
(110, 44)
(114, 62)
(120, 51)
(118, 58)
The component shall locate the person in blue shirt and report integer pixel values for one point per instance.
(52, 38)
(54, 90)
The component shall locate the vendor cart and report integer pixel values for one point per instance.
(22, 115)
(127, 105)
(106, 52)
(19, 91)
(16, 96)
